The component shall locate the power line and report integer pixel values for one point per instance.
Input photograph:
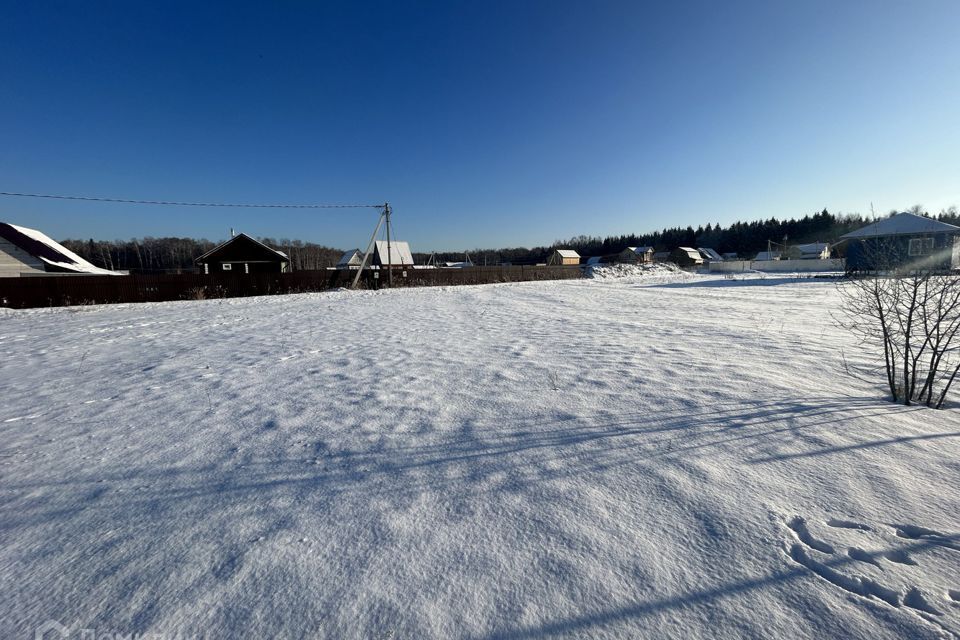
(195, 204)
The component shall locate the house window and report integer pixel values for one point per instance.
(920, 246)
(228, 267)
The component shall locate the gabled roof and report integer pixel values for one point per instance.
(568, 253)
(49, 251)
(768, 255)
(813, 247)
(902, 224)
(399, 253)
(639, 250)
(242, 237)
(351, 258)
(709, 254)
(693, 253)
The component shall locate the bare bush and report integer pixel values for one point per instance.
(912, 317)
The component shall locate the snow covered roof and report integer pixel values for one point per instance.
(902, 224)
(351, 258)
(813, 247)
(710, 254)
(639, 250)
(49, 251)
(693, 253)
(236, 238)
(768, 255)
(399, 253)
(568, 253)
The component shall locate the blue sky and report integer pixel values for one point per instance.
(484, 123)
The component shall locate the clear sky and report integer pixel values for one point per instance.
(483, 123)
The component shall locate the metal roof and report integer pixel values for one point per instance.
(902, 224)
(813, 247)
(48, 250)
(351, 258)
(710, 254)
(234, 239)
(768, 255)
(399, 253)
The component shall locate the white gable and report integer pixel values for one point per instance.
(399, 253)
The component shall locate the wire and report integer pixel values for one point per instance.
(196, 204)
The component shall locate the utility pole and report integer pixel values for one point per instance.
(386, 211)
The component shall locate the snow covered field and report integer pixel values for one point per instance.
(661, 456)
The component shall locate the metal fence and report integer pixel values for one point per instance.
(57, 291)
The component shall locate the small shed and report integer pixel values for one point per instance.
(686, 257)
(28, 252)
(243, 254)
(351, 260)
(564, 257)
(904, 240)
(636, 254)
(395, 255)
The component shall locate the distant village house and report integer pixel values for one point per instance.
(564, 257)
(636, 254)
(901, 241)
(395, 255)
(686, 257)
(243, 254)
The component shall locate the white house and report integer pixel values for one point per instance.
(351, 260)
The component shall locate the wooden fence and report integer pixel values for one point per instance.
(57, 291)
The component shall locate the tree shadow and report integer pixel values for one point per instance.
(638, 610)
(276, 486)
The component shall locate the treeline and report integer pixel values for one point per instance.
(743, 238)
(171, 255)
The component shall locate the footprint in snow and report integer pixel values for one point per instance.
(888, 573)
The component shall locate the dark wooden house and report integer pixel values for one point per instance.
(686, 257)
(243, 254)
(904, 241)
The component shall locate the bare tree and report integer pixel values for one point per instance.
(909, 312)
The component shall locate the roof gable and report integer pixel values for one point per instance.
(351, 258)
(901, 224)
(242, 247)
(48, 250)
(568, 253)
(399, 254)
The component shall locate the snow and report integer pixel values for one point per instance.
(647, 271)
(656, 455)
(73, 262)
